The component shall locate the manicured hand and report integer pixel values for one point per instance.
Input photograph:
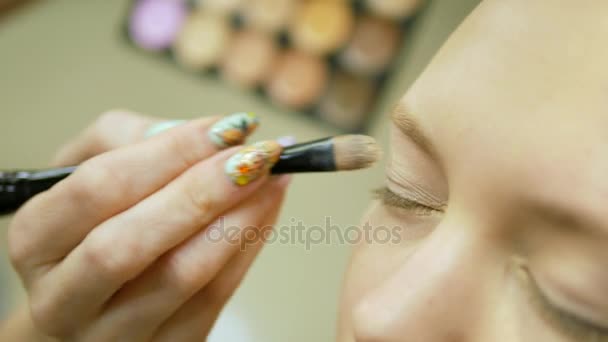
(133, 245)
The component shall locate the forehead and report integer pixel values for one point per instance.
(516, 119)
(522, 95)
(548, 156)
(524, 144)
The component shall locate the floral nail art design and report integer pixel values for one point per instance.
(233, 129)
(253, 161)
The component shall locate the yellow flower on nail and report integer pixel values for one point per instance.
(253, 161)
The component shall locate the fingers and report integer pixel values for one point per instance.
(19, 327)
(122, 247)
(182, 272)
(111, 130)
(194, 320)
(54, 222)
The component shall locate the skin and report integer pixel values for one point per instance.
(503, 234)
(514, 108)
(140, 264)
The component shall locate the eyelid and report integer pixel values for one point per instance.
(391, 199)
(413, 190)
(566, 322)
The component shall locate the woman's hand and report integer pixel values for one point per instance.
(133, 246)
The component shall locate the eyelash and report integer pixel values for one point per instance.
(571, 325)
(391, 199)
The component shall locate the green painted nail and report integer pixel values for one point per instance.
(162, 126)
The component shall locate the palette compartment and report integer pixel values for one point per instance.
(328, 60)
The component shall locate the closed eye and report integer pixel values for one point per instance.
(563, 321)
(391, 199)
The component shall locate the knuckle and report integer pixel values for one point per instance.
(184, 148)
(186, 275)
(103, 132)
(112, 117)
(101, 255)
(199, 201)
(91, 180)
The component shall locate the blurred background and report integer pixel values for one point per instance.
(63, 62)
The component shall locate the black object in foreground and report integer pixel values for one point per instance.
(17, 187)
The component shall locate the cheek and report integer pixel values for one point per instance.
(370, 263)
(373, 261)
(426, 279)
(514, 317)
(391, 240)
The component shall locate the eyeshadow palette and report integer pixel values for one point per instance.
(327, 59)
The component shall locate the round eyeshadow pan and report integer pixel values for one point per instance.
(395, 9)
(249, 58)
(268, 15)
(203, 40)
(298, 80)
(154, 24)
(322, 26)
(347, 101)
(374, 44)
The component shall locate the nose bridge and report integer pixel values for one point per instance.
(436, 295)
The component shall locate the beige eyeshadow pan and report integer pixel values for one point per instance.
(327, 57)
(202, 41)
(374, 44)
(298, 80)
(347, 101)
(248, 60)
(322, 26)
(394, 8)
(268, 15)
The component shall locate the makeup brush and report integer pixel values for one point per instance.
(348, 152)
(341, 153)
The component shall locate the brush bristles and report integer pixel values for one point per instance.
(352, 152)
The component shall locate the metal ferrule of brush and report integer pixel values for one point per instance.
(315, 156)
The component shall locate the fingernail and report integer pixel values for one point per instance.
(286, 141)
(233, 129)
(162, 126)
(252, 162)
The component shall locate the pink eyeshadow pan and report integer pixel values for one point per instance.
(154, 24)
(327, 59)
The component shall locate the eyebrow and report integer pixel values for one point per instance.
(408, 125)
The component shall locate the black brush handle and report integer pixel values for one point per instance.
(17, 187)
(315, 156)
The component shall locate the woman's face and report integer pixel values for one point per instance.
(497, 184)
